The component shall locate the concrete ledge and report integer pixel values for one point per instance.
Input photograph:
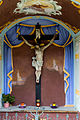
(40, 109)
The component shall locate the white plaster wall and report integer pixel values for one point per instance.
(78, 83)
(79, 64)
(77, 73)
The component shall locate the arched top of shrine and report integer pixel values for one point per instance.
(26, 26)
(44, 21)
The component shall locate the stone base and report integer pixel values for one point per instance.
(42, 113)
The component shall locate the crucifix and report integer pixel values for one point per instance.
(37, 61)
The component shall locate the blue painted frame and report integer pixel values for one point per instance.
(36, 17)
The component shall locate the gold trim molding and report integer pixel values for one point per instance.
(4, 26)
(1, 2)
(73, 28)
(0, 90)
(0, 57)
(77, 1)
(68, 105)
(78, 92)
(76, 56)
(76, 5)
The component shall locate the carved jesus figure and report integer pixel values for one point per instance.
(37, 61)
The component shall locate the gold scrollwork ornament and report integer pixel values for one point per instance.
(1, 2)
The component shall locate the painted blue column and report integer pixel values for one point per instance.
(68, 75)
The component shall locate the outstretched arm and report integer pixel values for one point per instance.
(51, 41)
(26, 41)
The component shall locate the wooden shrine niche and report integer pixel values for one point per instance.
(51, 68)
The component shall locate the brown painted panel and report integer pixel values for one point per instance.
(23, 75)
(52, 84)
(52, 80)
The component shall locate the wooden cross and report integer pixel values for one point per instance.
(39, 47)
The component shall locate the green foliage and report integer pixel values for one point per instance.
(8, 98)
